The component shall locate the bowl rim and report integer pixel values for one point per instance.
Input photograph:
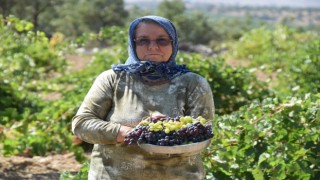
(190, 149)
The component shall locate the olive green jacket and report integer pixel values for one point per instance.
(120, 99)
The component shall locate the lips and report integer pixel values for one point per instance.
(153, 55)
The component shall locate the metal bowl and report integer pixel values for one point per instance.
(187, 149)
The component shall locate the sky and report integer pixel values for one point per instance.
(277, 3)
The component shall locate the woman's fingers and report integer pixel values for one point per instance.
(159, 116)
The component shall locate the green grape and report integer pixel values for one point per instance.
(201, 120)
(167, 130)
(155, 126)
(144, 123)
(188, 119)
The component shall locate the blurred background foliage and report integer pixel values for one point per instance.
(264, 77)
(73, 18)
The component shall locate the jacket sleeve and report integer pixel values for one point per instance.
(90, 123)
(200, 99)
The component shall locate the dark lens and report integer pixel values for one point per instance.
(142, 42)
(147, 42)
(163, 41)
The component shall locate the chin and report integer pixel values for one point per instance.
(155, 60)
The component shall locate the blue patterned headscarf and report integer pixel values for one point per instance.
(147, 71)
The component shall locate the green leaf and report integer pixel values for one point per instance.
(257, 174)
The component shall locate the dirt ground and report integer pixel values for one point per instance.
(37, 168)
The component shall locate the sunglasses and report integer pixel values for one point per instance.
(147, 42)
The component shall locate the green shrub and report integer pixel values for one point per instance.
(231, 87)
(267, 140)
(290, 56)
(26, 57)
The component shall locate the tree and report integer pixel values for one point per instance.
(136, 12)
(171, 8)
(6, 6)
(101, 13)
(191, 27)
(89, 16)
(30, 10)
(70, 17)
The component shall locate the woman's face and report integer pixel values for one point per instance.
(152, 43)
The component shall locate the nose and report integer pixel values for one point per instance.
(153, 44)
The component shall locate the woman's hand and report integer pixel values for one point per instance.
(124, 130)
(156, 117)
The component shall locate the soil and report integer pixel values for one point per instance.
(35, 168)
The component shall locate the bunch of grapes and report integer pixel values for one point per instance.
(170, 131)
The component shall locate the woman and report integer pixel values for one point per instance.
(149, 83)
